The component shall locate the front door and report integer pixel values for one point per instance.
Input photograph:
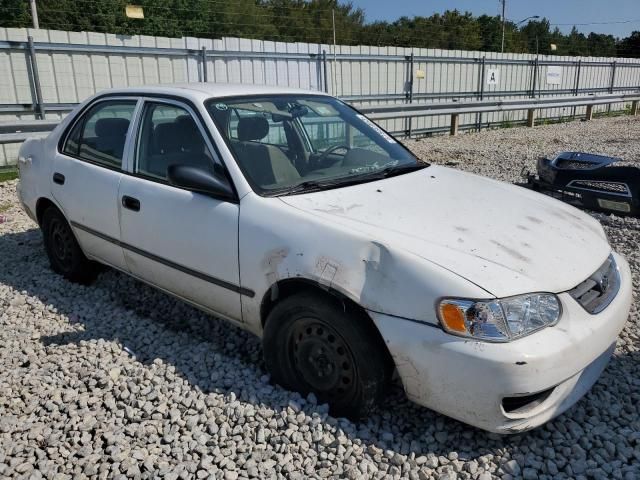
(178, 240)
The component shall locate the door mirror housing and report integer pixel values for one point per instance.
(200, 180)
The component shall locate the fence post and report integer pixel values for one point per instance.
(531, 117)
(481, 90)
(534, 79)
(589, 115)
(409, 94)
(34, 79)
(576, 84)
(634, 108)
(613, 81)
(324, 68)
(203, 59)
(613, 76)
(455, 124)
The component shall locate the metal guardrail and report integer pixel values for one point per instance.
(13, 132)
(19, 131)
(477, 106)
(20, 137)
(455, 109)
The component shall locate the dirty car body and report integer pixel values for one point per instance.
(495, 305)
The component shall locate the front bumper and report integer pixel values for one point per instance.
(468, 379)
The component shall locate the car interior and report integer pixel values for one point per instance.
(267, 163)
(178, 141)
(276, 149)
(101, 141)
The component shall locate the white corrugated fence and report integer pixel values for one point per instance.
(73, 65)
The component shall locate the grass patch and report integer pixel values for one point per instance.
(612, 113)
(7, 174)
(4, 207)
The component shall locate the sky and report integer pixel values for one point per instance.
(559, 12)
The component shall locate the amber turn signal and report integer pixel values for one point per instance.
(453, 317)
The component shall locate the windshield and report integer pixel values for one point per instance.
(289, 144)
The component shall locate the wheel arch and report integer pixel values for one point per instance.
(286, 288)
(42, 204)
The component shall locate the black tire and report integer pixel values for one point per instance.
(314, 343)
(65, 255)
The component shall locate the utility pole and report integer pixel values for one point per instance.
(504, 8)
(34, 13)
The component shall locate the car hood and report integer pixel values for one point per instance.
(506, 239)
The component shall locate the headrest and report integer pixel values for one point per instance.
(180, 135)
(189, 137)
(165, 139)
(252, 128)
(185, 124)
(112, 127)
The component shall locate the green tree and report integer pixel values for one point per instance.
(14, 13)
(600, 45)
(576, 43)
(537, 37)
(630, 46)
(491, 31)
(311, 21)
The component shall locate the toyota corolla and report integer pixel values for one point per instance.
(293, 216)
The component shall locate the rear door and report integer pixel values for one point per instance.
(87, 173)
(181, 241)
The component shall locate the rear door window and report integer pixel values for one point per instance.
(100, 134)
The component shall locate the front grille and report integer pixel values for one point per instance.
(616, 188)
(597, 291)
(565, 164)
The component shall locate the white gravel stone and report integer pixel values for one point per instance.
(119, 380)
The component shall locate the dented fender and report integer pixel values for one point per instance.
(367, 270)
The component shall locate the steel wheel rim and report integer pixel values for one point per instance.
(60, 243)
(321, 359)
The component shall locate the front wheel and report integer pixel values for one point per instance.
(312, 343)
(65, 255)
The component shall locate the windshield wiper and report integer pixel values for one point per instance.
(306, 186)
(386, 172)
(400, 169)
(317, 185)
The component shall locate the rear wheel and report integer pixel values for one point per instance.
(312, 343)
(65, 255)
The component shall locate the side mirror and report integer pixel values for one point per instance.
(200, 180)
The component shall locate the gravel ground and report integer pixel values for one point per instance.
(120, 380)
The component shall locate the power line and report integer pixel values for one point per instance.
(276, 9)
(613, 22)
(419, 32)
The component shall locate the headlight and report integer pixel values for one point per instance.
(499, 320)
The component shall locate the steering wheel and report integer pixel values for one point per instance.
(329, 151)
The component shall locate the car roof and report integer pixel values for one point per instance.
(199, 91)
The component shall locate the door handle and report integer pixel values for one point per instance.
(58, 178)
(131, 203)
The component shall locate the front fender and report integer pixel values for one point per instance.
(279, 242)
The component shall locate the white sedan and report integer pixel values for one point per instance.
(295, 217)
